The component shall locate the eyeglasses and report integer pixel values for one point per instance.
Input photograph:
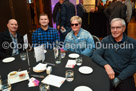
(76, 24)
(117, 28)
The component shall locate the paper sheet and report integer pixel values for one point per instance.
(39, 53)
(25, 41)
(53, 80)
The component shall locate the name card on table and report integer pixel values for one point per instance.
(39, 53)
(25, 41)
(70, 63)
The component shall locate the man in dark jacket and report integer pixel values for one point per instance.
(10, 40)
(67, 11)
(80, 9)
(57, 9)
(115, 10)
(117, 54)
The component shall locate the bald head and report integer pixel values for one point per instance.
(12, 25)
(12, 20)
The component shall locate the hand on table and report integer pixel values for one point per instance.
(109, 71)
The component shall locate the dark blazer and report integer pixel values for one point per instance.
(116, 10)
(5, 40)
(80, 10)
(56, 10)
(67, 11)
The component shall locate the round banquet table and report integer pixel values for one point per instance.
(98, 80)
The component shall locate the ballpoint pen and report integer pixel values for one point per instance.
(38, 76)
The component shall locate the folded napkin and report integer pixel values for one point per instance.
(70, 64)
(33, 82)
(40, 66)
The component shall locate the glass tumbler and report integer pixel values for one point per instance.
(69, 75)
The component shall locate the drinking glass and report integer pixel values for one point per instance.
(23, 55)
(44, 87)
(5, 85)
(69, 75)
(63, 54)
(79, 61)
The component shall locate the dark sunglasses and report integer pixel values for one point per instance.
(76, 24)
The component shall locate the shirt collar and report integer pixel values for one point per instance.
(123, 39)
(12, 35)
(47, 28)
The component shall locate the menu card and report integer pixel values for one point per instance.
(25, 41)
(71, 64)
(39, 53)
(53, 80)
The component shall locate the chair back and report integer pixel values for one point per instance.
(96, 41)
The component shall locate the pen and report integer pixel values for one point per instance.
(50, 64)
(39, 76)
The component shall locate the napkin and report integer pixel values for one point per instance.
(40, 66)
(33, 82)
(71, 64)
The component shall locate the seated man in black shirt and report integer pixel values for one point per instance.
(10, 40)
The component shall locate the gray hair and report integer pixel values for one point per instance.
(118, 19)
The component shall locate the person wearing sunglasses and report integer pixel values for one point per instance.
(79, 40)
(118, 56)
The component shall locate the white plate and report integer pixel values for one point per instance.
(73, 55)
(82, 88)
(16, 78)
(85, 70)
(9, 59)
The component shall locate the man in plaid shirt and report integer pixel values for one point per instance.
(45, 35)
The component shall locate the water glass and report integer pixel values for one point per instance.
(23, 55)
(79, 61)
(44, 87)
(63, 54)
(6, 86)
(69, 75)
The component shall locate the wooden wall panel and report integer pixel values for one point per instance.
(5, 14)
(48, 10)
(22, 16)
(20, 10)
